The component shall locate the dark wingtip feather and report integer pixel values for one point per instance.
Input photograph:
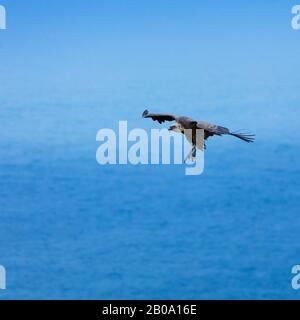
(145, 113)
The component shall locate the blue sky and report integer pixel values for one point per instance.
(202, 57)
(64, 49)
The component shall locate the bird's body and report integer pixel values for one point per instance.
(191, 128)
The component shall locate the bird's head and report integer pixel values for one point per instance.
(176, 128)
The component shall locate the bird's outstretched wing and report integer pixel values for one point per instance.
(212, 129)
(159, 117)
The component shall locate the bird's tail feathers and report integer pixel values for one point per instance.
(248, 137)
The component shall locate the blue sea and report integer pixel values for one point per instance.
(72, 229)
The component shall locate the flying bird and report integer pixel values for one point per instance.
(193, 135)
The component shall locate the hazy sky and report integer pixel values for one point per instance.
(166, 55)
(69, 47)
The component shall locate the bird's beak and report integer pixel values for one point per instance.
(171, 128)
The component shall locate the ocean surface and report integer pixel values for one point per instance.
(71, 228)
